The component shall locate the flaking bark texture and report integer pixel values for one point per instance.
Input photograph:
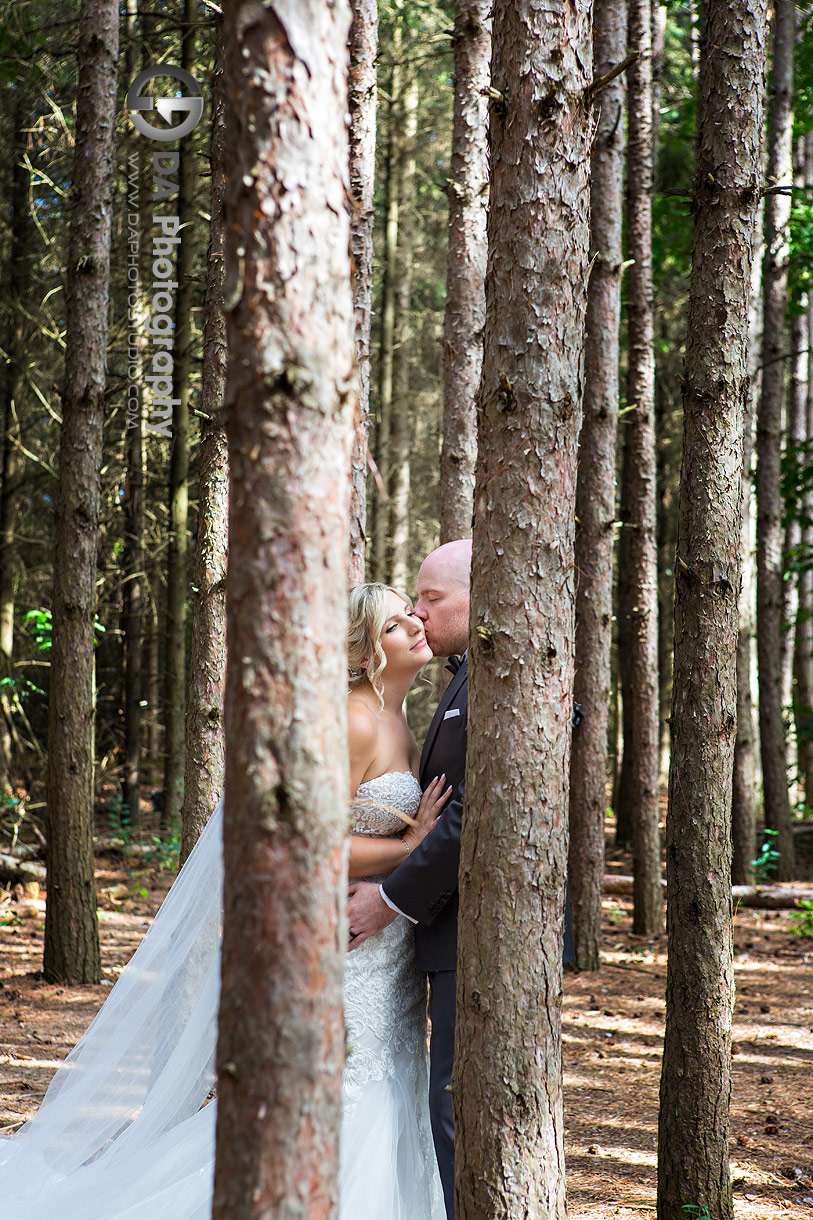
(638, 592)
(205, 745)
(465, 266)
(71, 953)
(507, 1080)
(362, 102)
(289, 418)
(695, 1082)
(769, 435)
(595, 494)
(745, 787)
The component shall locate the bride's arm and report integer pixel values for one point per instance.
(371, 856)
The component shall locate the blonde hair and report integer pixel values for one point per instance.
(367, 614)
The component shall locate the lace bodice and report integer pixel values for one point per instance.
(376, 802)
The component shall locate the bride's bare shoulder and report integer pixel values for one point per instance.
(362, 725)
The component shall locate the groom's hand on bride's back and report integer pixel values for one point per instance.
(367, 912)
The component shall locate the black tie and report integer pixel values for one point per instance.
(453, 664)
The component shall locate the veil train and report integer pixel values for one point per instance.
(121, 1134)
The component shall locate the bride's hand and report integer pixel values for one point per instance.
(432, 802)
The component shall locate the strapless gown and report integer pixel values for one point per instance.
(125, 1132)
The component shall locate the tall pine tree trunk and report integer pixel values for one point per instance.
(693, 1149)
(205, 744)
(387, 308)
(290, 400)
(507, 1080)
(71, 952)
(803, 662)
(177, 551)
(769, 438)
(401, 416)
(132, 565)
(11, 469)
(744, 796)
(595, 499)
(465, 266)
(638, 609)
(362, 99)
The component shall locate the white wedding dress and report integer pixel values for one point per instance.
(125, 1131)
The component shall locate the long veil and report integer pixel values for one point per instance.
(123, 1131)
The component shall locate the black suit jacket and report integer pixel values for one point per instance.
(425, 885)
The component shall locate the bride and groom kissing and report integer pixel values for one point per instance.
(125, 1131)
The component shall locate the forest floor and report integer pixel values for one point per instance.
(613, 1030)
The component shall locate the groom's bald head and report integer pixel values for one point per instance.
(443, 597)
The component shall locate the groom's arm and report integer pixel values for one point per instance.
(421, 886)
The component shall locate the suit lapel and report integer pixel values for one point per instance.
(445, 703)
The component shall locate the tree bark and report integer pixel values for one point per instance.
(693, 1128)
(465, 266)
(71, 951)
(362, 96)
(595, 496)
(11, 470)
(205, 744)
(803, 663)
(638, 608)
(744, 797)
(132, 566)
(769, 435)
(291, 394)
(507, 1078)
(178, 548)
(387, 309)
(401, 422)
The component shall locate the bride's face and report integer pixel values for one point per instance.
(403, 639)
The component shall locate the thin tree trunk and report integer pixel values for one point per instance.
(693, 1130)
(362, 100)
(803, 662)
(133, 524)
(507, 1077)
(152, 666)
(744, 798)
(796, 426)
(595, 499)
(177, 551)
(465, 266)
(71, 951)
(386, 336)
(290, 401)
(639, 607)
(11, 470)
(769, 436)
(205, 744)
(401, 417)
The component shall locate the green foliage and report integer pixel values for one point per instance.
(803, 920)
(165, 852)
(698, 1211)
(39, 625)
(766, 862)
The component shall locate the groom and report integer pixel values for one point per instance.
(424, 887)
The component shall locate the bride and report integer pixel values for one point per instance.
(127, 1128)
